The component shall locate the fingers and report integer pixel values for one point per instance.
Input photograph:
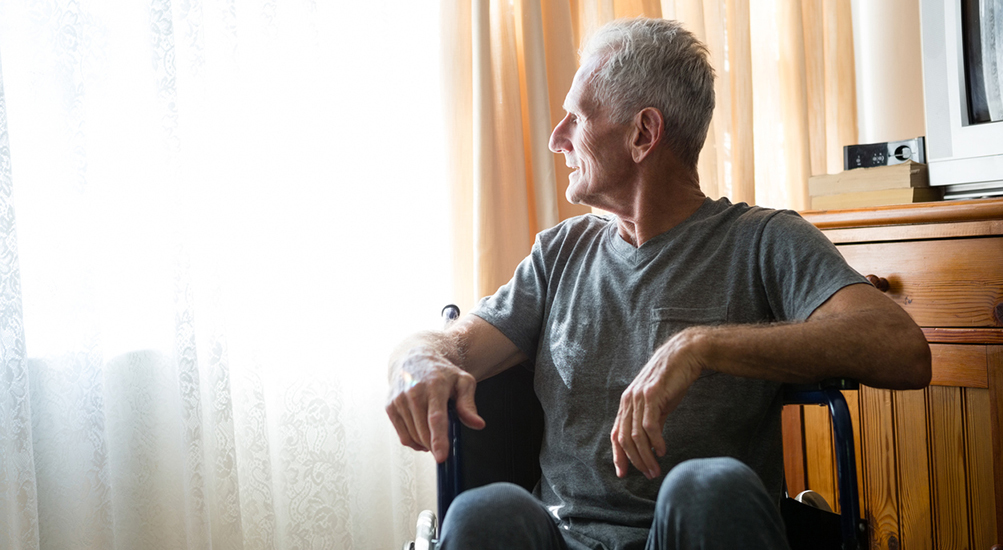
(438, 415)
(652, 422)
(438, 423)
(466, 408)
(418, 407)
(620, 460)
(646, 403)
(629, 438)
(403, 432)
(647, 462)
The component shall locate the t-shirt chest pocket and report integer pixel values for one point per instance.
(667, 321)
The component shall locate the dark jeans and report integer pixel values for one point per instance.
(702, 504)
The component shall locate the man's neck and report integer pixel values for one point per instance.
(657, 208)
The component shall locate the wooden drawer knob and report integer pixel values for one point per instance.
(879, 283)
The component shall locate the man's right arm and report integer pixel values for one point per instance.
(429, 368)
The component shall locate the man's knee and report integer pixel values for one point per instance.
(500, 515)
(708, 482)
(713, 502)
(484, 504)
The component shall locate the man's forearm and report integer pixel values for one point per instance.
(470, 343)
(429, 368)
(438, 342)
(866, 345)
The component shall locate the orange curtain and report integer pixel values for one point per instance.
(785, 107)
(508, 67)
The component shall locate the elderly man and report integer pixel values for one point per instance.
(659, 335)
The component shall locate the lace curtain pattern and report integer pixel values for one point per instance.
(216, 218)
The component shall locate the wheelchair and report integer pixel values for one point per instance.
(508, 449)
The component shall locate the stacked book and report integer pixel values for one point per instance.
(861, 187)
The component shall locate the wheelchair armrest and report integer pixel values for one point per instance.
(804, 394)
(450, 472)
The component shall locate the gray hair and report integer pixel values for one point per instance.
(655, 63)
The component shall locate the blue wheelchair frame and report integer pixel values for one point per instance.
(828, 393)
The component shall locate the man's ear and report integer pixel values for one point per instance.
(649, 130)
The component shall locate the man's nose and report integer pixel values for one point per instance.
(559, 143)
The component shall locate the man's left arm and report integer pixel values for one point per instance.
(857, 333)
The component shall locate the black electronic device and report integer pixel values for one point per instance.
(884, 154)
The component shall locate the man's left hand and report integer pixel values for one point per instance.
(648, 400)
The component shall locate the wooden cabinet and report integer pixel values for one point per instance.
(930, 461)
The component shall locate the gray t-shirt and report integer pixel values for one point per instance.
(589, 309)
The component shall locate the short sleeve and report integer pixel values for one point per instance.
(800, 267)
(517, 308)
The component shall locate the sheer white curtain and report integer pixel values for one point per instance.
(216, 218)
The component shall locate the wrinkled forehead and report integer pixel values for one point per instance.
(587, 72)
(581, 86)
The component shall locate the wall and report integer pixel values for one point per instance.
(889, 70)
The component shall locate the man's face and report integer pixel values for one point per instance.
(594, 146)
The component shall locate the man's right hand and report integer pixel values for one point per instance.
(419, 392)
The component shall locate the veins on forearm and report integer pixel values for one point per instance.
(812, 350)
(444, 343)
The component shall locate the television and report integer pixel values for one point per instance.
(963, 94)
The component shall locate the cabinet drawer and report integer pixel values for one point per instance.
(941, 283)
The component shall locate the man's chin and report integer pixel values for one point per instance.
(573, 198)
(573, 192)
(579, 198)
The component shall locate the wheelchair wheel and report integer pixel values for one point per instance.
(425, 533)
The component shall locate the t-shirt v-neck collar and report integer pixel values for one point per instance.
(637, 255)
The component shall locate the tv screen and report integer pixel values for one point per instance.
(982, 36)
